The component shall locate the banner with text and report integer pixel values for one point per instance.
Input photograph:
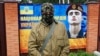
(30, 15)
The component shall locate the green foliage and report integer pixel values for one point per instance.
(55, 1)
(41, 1)
(78, 1)
(81, 53)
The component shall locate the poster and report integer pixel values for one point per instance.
(30, 15)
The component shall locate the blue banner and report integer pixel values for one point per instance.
(31, 13)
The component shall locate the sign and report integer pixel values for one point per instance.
(30, 15)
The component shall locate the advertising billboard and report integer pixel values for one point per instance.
(30, 15)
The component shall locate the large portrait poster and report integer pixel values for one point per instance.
(30, 15)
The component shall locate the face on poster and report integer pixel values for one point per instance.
(74, 20)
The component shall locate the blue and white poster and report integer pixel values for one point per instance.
(75, 22)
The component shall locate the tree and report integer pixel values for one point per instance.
(78, 1)
(41, 1)
(55, 1)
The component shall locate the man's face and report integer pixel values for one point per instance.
(47, 14)
(74, 16)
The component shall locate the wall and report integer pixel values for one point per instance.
(12, 34)
(92, 31)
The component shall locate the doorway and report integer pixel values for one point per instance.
(2, 32)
